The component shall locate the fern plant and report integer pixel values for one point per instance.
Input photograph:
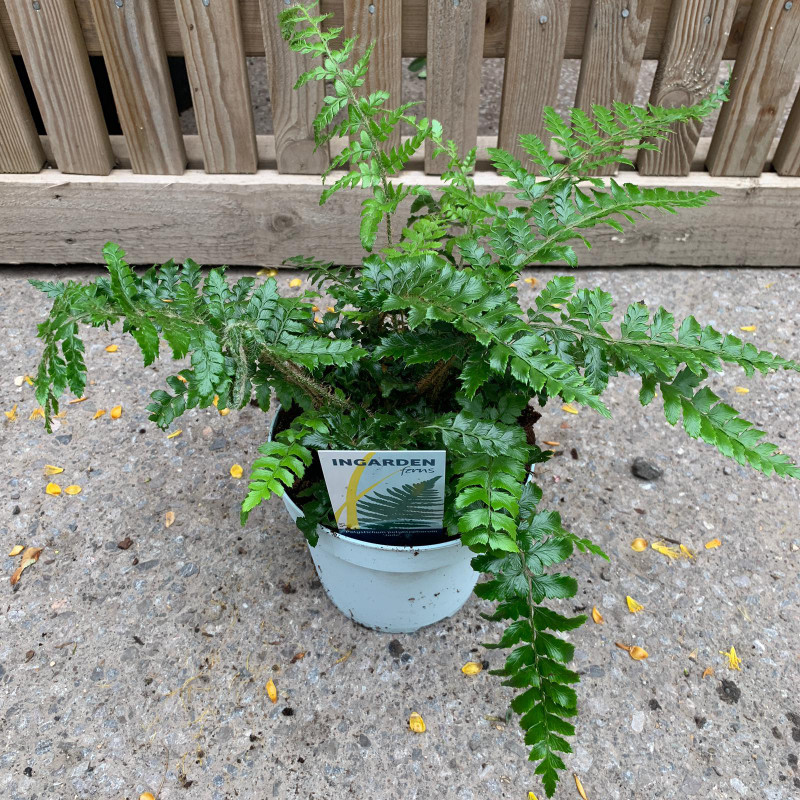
(412, 505)
(427, 345)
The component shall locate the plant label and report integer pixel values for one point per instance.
(392, 497)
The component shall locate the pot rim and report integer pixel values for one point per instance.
(287, 501)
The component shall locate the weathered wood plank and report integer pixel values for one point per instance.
(453, 90)
(787, 155)
(762, 80)
(293, 110)
(534, 54)
(215, 61)
(261, 219)
(381, 25)
(55, 57)
(414, 27)
(20, 149)
(687, 71)
(130, 36)
(616, 33)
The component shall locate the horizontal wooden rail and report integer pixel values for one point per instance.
(415, 28)
(263, 218)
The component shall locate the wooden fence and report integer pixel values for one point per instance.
(229, 196)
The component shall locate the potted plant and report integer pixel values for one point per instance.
(425, 347)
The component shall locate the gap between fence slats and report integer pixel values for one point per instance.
(58, 67)
(414, 39)
(20, 149)
(130, 36)
(687, 71)
(616, 32)
(382, 25)
(215, 62)
(453, 91)
(293, 110)
(537, 34)
(763, 77)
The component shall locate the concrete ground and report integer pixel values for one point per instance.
(144, 669)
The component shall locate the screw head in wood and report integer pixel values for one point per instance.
(37, 6)
(371, 9)
(119, 3)
(542, 19)
(707, 20)
(788, 5)
(625, 13)
(456, 3)
(206, 2)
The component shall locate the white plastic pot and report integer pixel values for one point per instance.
(390, 588)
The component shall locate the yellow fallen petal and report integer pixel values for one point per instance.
(16, 550)
(215, 401)
(236, 471)
(734, 662)
(531, 795)
(531, 281)
(28, 380)
(270, 273)
(597, 616)
(639, 545)
(272, 692)
(99, 413)
(60, 415)
(748, 328)
(295, 283)
(12, 415)
(116, 412)
(579, 787)
(638, 653)
(707, 672)
(741, 389)
(633, 606)
(551, 444)
(112, 348)
(569, 408)
(223, 412)
(73, 489)
(315, 308)
(30, 556)
(512, 285)
(36, 413)
(146, 796)
(471, 668)
(175, 433)
(77, 400)
(331, 309)
(182, 379)
(416, 723)
(686, 551)
(713, 544)
(665, 550)
(318, 319)
(49, 469)
(53, 489)
(169, 518)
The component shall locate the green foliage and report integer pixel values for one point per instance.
(428, 347)
(412, 505)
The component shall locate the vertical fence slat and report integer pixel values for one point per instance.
(697, 33)
(215, 62)
(537, 34)
(455, 56)
(20, 148)
(787, 157)
(51, 42)
(293, 111)
(762, 79)
(381, 25)
(616, 34)
(130, 36)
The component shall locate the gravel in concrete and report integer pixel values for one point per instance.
(125, 670)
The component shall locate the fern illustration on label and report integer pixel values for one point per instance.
(387, 496)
